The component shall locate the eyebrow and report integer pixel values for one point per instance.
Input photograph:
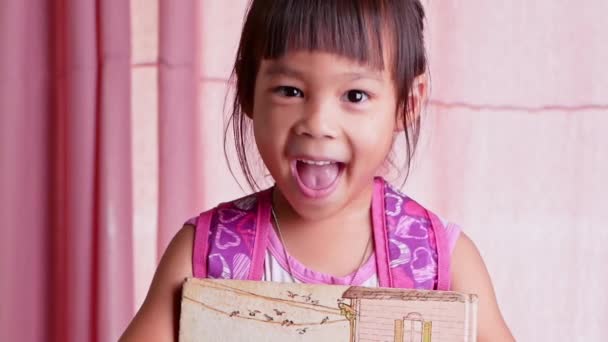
(280, 69)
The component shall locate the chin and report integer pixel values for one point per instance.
(313, 208)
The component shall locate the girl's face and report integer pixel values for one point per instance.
(323, 125)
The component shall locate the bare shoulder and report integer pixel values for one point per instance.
(158, 317)
(470, 275)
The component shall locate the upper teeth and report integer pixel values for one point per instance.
(316, 162)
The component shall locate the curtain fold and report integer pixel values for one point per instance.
(178, 123)
(113, 284)
(24, 179)
(74, 110)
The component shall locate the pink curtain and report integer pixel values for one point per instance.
(111, 126)
(67, 270)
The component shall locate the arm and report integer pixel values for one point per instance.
(158, 317)
(469, 275)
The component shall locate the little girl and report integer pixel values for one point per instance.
(325, 86)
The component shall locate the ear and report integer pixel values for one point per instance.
(415, 100)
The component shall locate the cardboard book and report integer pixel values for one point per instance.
(233, 310)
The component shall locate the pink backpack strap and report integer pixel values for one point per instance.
(380, 237)
(230, 240)
(200, 248)
(411, 246)
(263, 227)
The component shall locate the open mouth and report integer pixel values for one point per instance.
(317, 178)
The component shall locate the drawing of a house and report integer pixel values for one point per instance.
(384, 315)
(260, 311)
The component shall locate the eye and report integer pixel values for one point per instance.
(288, 91)
(356, 96)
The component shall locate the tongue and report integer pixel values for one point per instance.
(317, 177)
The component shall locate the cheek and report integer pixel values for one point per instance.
(375, 135)
(377, 148)
(263, 131)
(268, 124)
(271, 128)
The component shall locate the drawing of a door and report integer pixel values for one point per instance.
(412, 329)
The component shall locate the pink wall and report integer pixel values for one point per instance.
(514, 148)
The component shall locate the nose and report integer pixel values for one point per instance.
(318, 121)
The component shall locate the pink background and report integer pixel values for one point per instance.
(111, 117)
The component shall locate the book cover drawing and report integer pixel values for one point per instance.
(231, 310)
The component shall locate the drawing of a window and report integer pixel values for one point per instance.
(412, 328)
(380, 312)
